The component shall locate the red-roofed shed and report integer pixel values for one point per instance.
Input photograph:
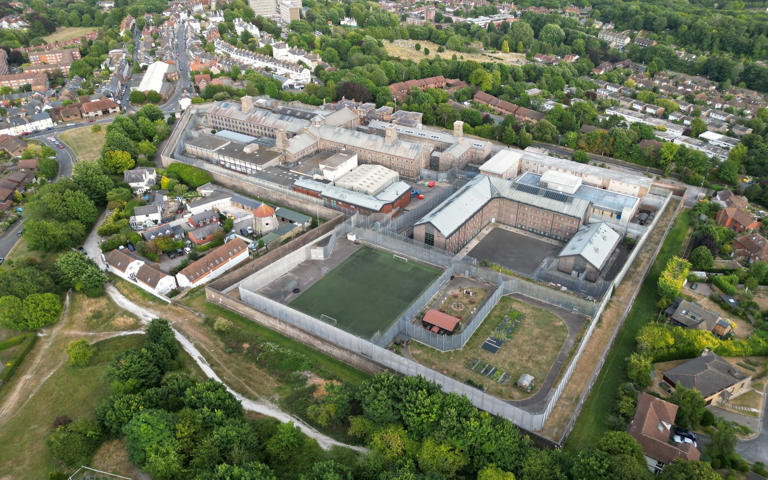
(444, 323)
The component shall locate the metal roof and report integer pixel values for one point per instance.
(455, 210)
(370, 202)
(595, 243)
(502, 161)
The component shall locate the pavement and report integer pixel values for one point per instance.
(756, 449)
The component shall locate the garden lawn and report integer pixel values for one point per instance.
(85, 143)
(367, 291)
(532, 348)
(590, 425)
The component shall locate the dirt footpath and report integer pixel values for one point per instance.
(598, 343)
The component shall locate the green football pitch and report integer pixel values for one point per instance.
(367, 291)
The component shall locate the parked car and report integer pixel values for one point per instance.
(249, 230)
(679, 439)
(179, 252)
(187, 249)
(2, 259)
(130, 247)
(243, 232)
(171, 254)
(684, 433)
(61, 145)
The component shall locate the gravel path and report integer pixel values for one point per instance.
(261, 406)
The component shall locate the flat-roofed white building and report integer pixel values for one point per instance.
(369, 179)
(338, 165)
(153, 78)
(504, 164)
(560, 181)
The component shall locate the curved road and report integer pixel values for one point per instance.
(262, 407)
(66, 159)
(756, 450)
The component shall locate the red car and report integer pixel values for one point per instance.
(90, 120)
(60, 145)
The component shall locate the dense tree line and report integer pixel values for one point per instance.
(178, 427)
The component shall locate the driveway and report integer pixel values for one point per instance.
(756, 450)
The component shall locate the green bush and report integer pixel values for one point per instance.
(726, 283)
(192, 176)
(80, 352)
(13, 364)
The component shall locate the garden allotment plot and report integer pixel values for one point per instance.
(366, 292)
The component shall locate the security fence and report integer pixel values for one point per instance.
(445, 343)
(390, 360)
(667, 196)
(374, 351)
(391, 241)
(405, 318)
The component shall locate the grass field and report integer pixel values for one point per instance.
(85, 143)
(532, 348)
(406, 50)
(590, 424)
(367, 291)
(67, 33)
(69, 391)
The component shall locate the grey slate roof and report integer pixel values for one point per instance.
(595, 243)
(708, 374)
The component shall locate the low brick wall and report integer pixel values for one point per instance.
(252, 266)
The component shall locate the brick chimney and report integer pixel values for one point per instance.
(246, 104)
(281, 139)
(458, 128)
(390, 134)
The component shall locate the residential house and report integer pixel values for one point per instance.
(27, 165)
(751, 247)
(122, 264)
(204, 234)
(66, 113)
(683, 313)
(155, 281)
(716, 379)
(726, 198)
(218, 261)
(13, 146)
(146, 216)
(652, 428)
(99, 108)
(6, 197)
(204, 218)
(737, 219)
(140, 179)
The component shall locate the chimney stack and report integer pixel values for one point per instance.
(281, 140)
(458, 129)
(246, 104)
(390, 134)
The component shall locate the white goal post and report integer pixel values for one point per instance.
(328, 319)
(398, 257)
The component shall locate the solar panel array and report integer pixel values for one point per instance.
(551, 194)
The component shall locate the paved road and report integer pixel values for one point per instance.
(9, 239)
(66, 159)
(756, 450)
